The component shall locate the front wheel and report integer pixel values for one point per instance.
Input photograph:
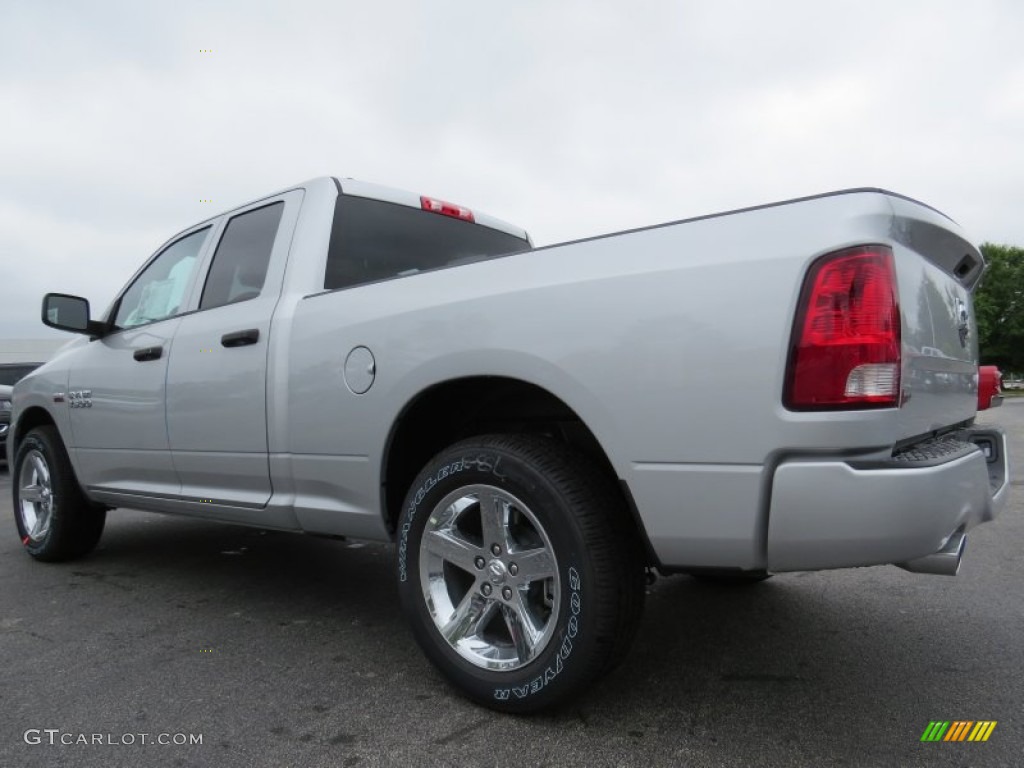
(55, 520)
(519, 570)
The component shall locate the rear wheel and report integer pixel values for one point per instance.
(55, 521)
(519, 570)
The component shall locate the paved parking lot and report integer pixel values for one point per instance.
(287, 650)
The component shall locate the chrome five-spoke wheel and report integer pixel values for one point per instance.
(35, 496)
(489, 577)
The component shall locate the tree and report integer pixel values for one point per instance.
(999, 307)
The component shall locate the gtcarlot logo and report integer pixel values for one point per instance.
(58, 737)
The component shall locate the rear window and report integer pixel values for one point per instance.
(373, 240)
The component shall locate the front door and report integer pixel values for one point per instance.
(117, 384)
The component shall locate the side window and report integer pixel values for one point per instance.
(158, 292)
(240, 264)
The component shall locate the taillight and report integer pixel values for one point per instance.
(846, 341)
(445, 209)
(990, 385)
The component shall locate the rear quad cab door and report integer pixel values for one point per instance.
(217, 374)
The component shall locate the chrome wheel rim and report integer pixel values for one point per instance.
(489, 577)
(35, 496)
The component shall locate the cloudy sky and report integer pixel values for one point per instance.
(569, 118)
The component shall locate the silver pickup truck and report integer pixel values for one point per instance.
(787, 387)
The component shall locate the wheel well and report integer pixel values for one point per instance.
(38, 417)
(32, 418)
(449, 412)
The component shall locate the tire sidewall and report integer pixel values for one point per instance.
(38, 442)
(562, 665)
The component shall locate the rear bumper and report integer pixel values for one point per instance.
(836, 514)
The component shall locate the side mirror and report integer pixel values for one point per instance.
(69, 313)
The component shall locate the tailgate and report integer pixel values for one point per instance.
(937, 269)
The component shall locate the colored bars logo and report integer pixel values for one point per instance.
(958, 730)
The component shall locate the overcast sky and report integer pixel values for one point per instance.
(569, 118)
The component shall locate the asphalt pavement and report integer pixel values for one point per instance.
(285, 650)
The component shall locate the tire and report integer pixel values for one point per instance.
(55, 520)
(550, 613)
(730, 578)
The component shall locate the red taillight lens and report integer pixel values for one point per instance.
(846, 341)
(445, 209)
(990, 384)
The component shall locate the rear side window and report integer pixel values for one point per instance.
(243, 254)
(373, 240)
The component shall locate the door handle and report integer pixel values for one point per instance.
(148, 353)
(240, 338)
